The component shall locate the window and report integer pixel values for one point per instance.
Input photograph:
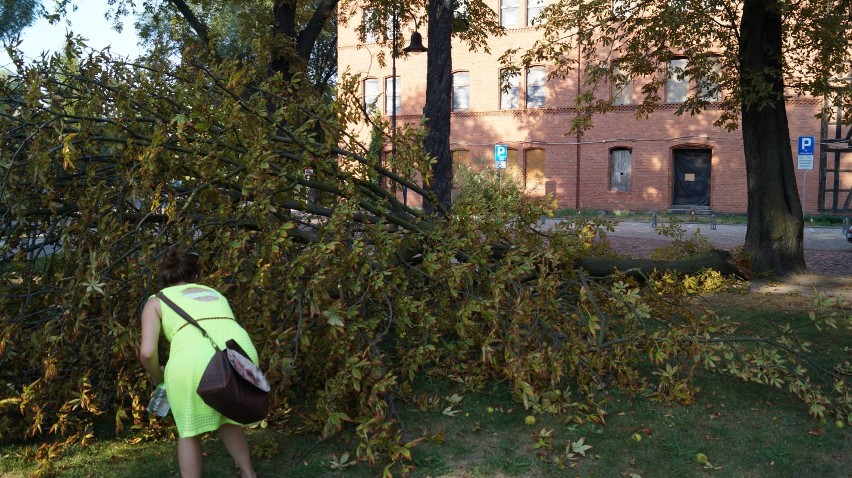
(534, 9)
(708, 85)
(370, 34)
(624, 8)
(534, 170)
(509, 83)
(536, 88)
(392, 101)
(513, 168)
(510, 13)
(461, 91)
(371, 95)
(620, 169)
(677, 83)
(622, 88)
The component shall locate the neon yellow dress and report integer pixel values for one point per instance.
(190, 352)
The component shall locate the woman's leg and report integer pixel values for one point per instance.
(235, 442)
(189, 457)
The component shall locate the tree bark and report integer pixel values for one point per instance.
(439, 91)
(775, 228)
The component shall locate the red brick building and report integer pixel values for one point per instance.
(663, 162)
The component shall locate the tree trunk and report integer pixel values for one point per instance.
(775, 224)
(641, 269)
(439, 91)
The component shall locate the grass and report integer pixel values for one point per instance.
(745, 430)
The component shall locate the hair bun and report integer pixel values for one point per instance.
(178, 266)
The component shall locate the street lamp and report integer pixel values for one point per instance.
(415, 47)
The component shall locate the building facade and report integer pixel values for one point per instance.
(622, 163)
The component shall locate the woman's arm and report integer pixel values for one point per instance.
(148, 354)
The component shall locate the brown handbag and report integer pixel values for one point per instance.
(231, 384)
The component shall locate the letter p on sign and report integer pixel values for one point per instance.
(806, 145)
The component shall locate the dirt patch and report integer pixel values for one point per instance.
(806, 284)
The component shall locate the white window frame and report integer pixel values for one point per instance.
(371, 101)
(513, 7)
(707, 84)
(677, 82)
(461, 90)
(389, 99)
(534, 9)
(536, 89)
(622, 93)
(509, 97)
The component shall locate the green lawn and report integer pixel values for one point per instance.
(745, 430)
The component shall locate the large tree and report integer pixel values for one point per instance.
(751, 54)
(15, 16)
(284, 34)
(471, 21)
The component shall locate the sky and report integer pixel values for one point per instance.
(88, 21)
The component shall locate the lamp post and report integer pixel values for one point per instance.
(415, 47)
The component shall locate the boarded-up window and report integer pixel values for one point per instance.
(534, 170)
(620, 169)
(461, 158)
(513, 168)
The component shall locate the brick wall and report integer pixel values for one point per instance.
(651, 140)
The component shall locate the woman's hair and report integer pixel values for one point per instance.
(178, 266)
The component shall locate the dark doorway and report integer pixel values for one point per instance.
(691, 177)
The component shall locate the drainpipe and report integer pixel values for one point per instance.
(579, 134)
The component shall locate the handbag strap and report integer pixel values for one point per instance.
(185, 315)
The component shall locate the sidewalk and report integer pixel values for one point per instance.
(730, 235)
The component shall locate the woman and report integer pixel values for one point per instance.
(189, 354)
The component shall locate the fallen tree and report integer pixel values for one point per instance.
(349, 298)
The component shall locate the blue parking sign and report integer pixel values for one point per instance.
(806, 145)
(501, 155)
